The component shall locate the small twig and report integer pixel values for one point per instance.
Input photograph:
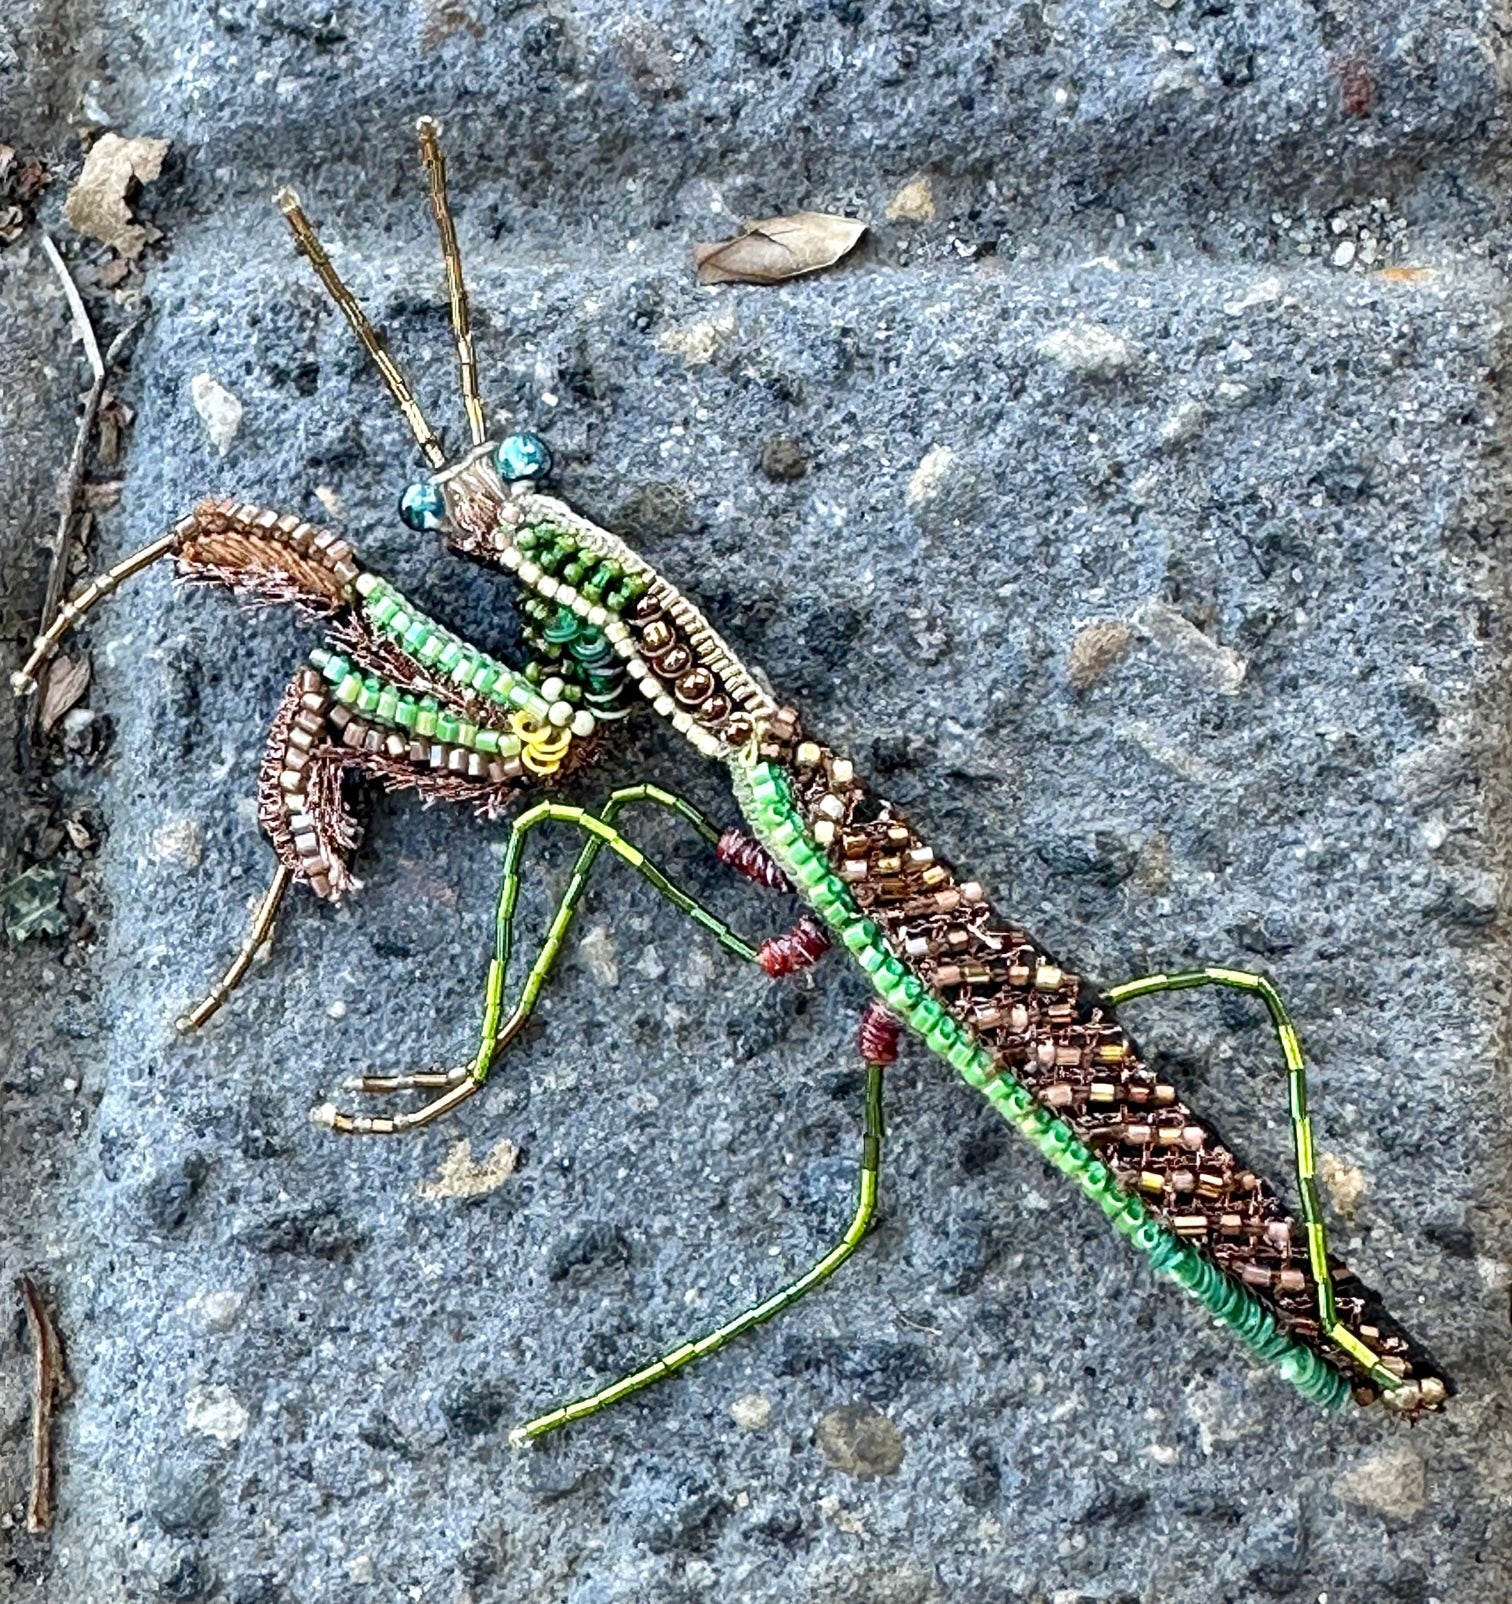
(72, 485)
(51, 1383)
(913, 1325)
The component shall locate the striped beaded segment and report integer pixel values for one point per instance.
(767, 801)
(443, 653)
(373, 714)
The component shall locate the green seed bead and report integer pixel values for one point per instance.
(467, 734)
(447, 725)
(367, 697)
(417, 635)
(487, 741)
(425, 719)
(942, 1038)
(963, 1055)
(388, 704)
(451, 655)
(406, 713)
(349, 689)
(335, 668)
(925, 1015)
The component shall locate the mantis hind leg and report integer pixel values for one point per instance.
(784, 1298)
(498, 1029)
(1302, 1138)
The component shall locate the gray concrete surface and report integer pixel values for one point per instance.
(1124, 376)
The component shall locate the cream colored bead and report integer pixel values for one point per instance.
(597, 616)
(842, 771)
(807, 754)
(560, 713)
(824, 832)
(552, 688)
(665, 705)
(529, 572)
(636, 668)
(547, 586)
(366, 583)
(681, 722)
(651, 687)
(583, 723)
(510, 557)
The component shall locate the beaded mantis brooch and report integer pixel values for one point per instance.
(393, 695)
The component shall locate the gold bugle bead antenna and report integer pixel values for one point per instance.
(429, 131)
(372, 341)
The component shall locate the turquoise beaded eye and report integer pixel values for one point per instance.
(422, 506)
(522, 456)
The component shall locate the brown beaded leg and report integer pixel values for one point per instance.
(262, 929)
(331, 1118)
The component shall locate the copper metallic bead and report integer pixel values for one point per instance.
(677, 659)
(715, 710)
(695, 687)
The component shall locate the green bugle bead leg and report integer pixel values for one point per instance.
(685, 1354)
(497, 1030)
(1302, 1142)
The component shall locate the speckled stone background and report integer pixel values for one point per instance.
(1138, 367)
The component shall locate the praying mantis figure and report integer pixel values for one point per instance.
(393, 695)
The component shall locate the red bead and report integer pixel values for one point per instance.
(751, 859)
(878, 1034)
(800, 947)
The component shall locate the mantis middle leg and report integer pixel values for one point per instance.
(784, 1298)
(498, 1029)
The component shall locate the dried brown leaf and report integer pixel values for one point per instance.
(778, 248)
(100, 495)
(97, 204)
(67, 680)
(115, 420)
(30, 180)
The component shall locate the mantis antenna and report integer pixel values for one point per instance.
(429, 131)
(372, 341)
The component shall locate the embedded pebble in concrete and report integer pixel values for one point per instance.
(861, 1441)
